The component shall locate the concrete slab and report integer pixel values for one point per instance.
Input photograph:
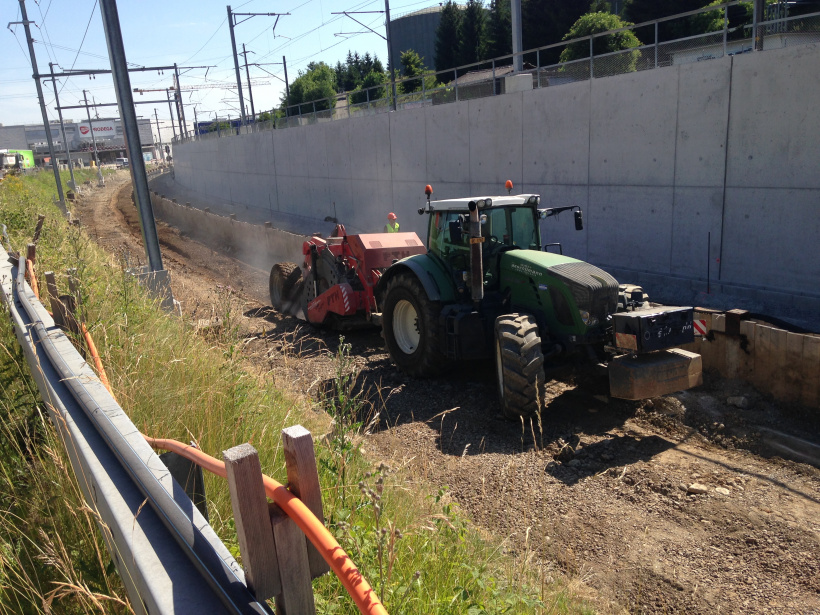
(337, 141)
(632, 126)
(316, 149)
(495, 126)
(556, 135)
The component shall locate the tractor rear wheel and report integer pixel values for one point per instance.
(283, 278)
(410, 326)
(519, 364)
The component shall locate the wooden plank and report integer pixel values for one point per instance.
(763, 359)
(779, 365)
(296, 597)
(253, 527)
(38, 229)
(31, 253)
(811, 365)
(794, 376)
(719, 343)
(746, 363)
(303, 482)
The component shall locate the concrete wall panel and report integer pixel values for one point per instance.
(408, 153)
(556, 135)
(696, 213)
(630, 227)
(370, 147)
(632, 124)
(316, 151)
(771, 238)
(448, 144)
(337, 141)
(495, 126)
(702, 118)
(774, 121)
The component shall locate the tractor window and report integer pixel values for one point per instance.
(524, 233)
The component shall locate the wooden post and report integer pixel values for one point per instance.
(297, 592)
(303, 482)
(31, 253)
(57, 307)
(38, 229)
(253, 526)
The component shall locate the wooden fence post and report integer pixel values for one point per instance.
(57, 307)
(303, 482)
(297, 591)
(253, 528)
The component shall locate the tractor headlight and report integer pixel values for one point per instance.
(589, 321)
(536, 200)
(485, 203)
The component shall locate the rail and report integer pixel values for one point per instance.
(118, 472)
(546, 68)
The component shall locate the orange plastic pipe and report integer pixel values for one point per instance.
(356, 585)
(92, 349)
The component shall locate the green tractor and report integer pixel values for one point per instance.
(487, 287)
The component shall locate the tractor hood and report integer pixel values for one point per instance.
(592, 288)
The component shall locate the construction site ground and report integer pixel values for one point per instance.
(671, 505)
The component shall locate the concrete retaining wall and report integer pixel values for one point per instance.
(657, 159)
(255, 245)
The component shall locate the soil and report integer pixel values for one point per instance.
(678, 504)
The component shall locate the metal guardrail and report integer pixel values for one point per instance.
(484, 79)
(168, 556)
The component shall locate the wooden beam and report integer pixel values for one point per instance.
(303, 482)
(57, 308)
(253, 526)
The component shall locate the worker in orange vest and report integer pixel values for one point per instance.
(392, 225)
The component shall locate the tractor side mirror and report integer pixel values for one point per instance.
(579, 220)
(455, 231)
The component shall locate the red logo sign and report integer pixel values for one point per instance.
(84, 130)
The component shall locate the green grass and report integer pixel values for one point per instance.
(412, 544)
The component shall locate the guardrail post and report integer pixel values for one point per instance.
(253, 529)
(303, 482)
(57, 307)
(40, 219)
(296, 597)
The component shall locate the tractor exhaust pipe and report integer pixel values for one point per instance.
(476, 265)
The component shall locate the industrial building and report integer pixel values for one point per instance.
(416, 31)
(108, 133)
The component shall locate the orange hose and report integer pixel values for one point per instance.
(32, 279)
(359, 589)
(92, 348)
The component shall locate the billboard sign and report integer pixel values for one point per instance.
(102, 130)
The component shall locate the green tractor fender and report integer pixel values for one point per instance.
(438, 285)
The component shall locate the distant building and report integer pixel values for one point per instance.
(416, 31)
(108, 133)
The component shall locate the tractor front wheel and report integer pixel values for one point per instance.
(410, 325)
(284, 277)
(519, 364)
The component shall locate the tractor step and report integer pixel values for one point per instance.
(654, 374)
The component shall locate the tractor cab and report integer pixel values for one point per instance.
(506, 223)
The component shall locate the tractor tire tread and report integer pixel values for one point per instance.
(522, 364)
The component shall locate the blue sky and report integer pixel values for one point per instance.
(188, 33)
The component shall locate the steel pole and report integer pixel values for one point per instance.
(517, 37)
(287, 87)
(62, 127)
(122, 86)
(159, 135)
(181, 106)
(236, 67)
(93, 139)
(390, 57)
(46, 125)
(248, 77)
(171, 113)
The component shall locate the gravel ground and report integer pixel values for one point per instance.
(671, 505)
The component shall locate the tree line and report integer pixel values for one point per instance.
(471, 33)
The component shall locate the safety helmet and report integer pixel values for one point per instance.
(392, 216)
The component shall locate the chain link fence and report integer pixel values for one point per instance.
(726, 29)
